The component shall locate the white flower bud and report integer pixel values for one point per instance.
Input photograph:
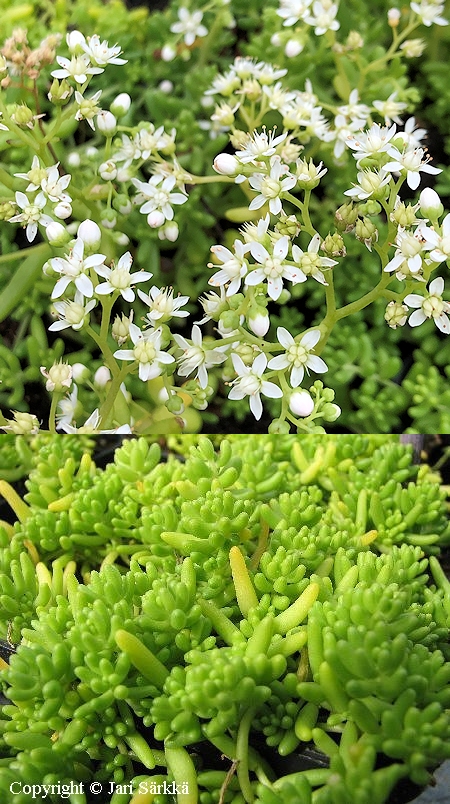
(166, 87)
(394, 15)
(121, 238)
(108, 170)
(80, 372)
(123, 174)
(102, 376)
(259, 323)
(73, 159)
(169, 232)
(75, 41)
(109, 219)
(430, 203)
(168, 53)
(63, 210)
(106, 123)
(301, 403)
(155, 219)
(57, 234)
(292, 48)
(226, 164)
(121, 104)
(89, 233)
(91, 152)
(275, 40)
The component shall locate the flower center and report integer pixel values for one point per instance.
(273, 267)
(433, 306)
(250, 384)
(297, 354)
(411, 246)
(309, 263)
(270, 188)
(144, 351)
(119, 279)
(74, 313)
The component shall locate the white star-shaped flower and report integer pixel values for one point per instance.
(31, 214)
(72, 313)
(119, 278)
(273, 267)
(163, 305)
(78, 68)
(440, 243)
(430, 306)
(298, 355)
(234, 268)
(271, 186)
(74, 268)
(158, 197)
(250, 383)
(190, 25)
(411, 162)
(197, 356)
(309, 262)
(146, 350)
(100, 53)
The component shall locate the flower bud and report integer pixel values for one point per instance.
(22, 115)
(102, 376)
(404, 215)
(7, 210)
(396, 314)
(393, 15)
(59, 92)
(57, 234)
(80, 372)
(276, 40)
(155, 219)
(123, 174)
(331, 412)
(106, 123)
(226, 165)
(121, 105)
(229, 320)
(63, 210)
(169, 232)
(279, 427)
(168, 53)
(430, 204)
(259, 321)
(292, 48)
(166, 87)
(301, 403)
(59, 376)
(90, 234)
(73, 159)
(123, 204)
(354, 41)
(175, 404)
(108, 170)
(366, 231)
(120, 328)
(75, 41)
(108, 218)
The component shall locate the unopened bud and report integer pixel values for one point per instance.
(90, 234)
(63, 210)
(413, 48)
(120, 105)
(292, 48)
(175, 404)
(75, 41)
(366, 231)
(259, 322)
(393, 15)
(301, 403)
(287, 225)
(155, 219)
(169, 232)
(430, 204)
(226, 165)
(57, 234)
(123, 204)
(108, 170)
(345, 217)
(168, 53)
(106, 123)
(331, 412)
(102, 376)
(108, 218)
(22, 115)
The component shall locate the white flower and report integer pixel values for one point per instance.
(34, 175)
(100, 53)
(407, 259)
(273, 267)
(197, 356)
(429, 13)
(411, 162)
(441, 243)
(78, 67)
(151, 140)
(129, 151)
(163, 305)
(353, 109)
(31, 214)
(212, 305)
(293, 10)
(59, 376)
(390, 109)
(250, 383)
(119, 278)
(372, 142)
(74, 268)
(323, 17)
(87, 107)
(430, 306)
(272, 186)
(190, 25)
(72, 313)
(234, 268)
(91, 426)
(146, 350)
(22, 423)
(411, 136)
(371, 183)
(310, 263)
(258, 145)
(67, 408)
(159, 197)
(53, 185)
(298, 355)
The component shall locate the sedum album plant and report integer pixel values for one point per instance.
(141, 355)
(196, 622)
